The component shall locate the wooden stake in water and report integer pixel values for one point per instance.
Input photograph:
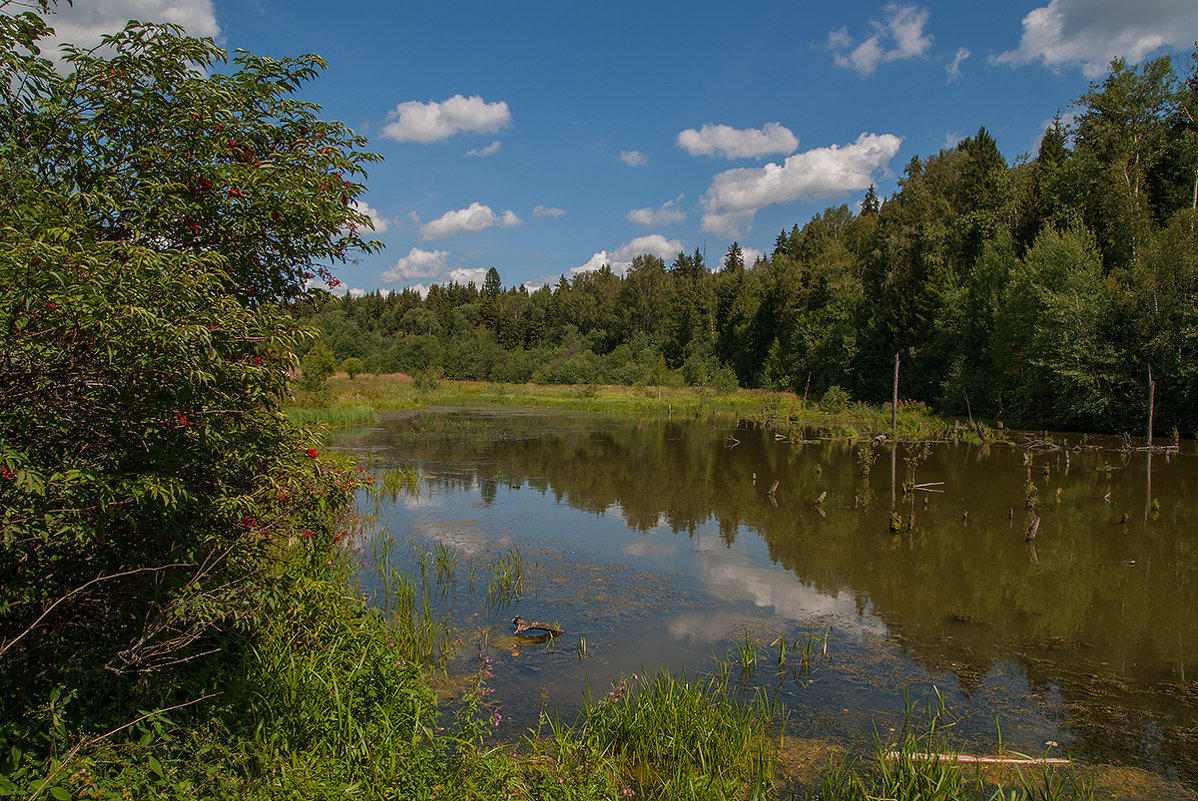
(894, 399)
(1151, 402)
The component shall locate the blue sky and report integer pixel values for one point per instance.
(544, 138)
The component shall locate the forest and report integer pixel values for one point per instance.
(1054, 292)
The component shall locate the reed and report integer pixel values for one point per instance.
(746, 651)
(921, 764)
(674, 738)
(505, 581)
(399, 481)
(334, 417)
(810, 644)
(391, 392)
(447, 561)
(780, 644)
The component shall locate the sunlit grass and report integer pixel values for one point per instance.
(787, 412)
(332, 417)
(921, 764)
(662, 737)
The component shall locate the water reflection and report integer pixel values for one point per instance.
(1086, 635)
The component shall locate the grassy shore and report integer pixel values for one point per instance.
(346, 401)
(340, 698)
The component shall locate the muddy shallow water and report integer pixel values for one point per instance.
(658, 543)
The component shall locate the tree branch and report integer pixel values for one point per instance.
(4, 647)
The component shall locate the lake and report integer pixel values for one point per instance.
(667, 543)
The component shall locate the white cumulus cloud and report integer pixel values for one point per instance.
(748, 255)
(621, 258)
(735, 195)
(734, 143)
(464, 275)
(954, 68)
(1089, 33)
(667, 214)
(548, 211)
(596, 262)
(84, 23)
(633, 158)
(414, 121)
(379, 223)
(898, 35)
(417, 264)
(483, 152)
(653, 244)
(470, 220)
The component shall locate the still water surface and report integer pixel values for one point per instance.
(659, 543)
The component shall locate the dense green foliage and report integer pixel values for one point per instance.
(1041, 292)
(158, 509)
(147, 471)
(177, 618)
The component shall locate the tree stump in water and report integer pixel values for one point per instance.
(523, 625)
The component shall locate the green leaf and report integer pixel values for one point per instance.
(60, 794)
(155, 766)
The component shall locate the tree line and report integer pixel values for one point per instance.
(1046, 292)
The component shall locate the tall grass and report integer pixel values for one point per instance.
(505, 580)
(334, 417)
(921, 764)
(398, 481)
(664, 737)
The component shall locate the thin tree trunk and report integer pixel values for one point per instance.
(1151, 404)
(894, 399)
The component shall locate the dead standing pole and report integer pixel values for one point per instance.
(894, 439)
(1148, 443)
(894, 398)
(1151, 403)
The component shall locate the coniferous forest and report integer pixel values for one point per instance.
(1048, 292)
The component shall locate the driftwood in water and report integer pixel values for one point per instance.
(523, 625)
(773, 488)
(1032, 528)
(969, 759)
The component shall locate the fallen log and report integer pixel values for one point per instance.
(523, 625)
(969, 759)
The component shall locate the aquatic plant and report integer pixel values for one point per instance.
(780, 644)
(505, 580)
(447, 560)
(399, 480)
(333, 417)
(746, 651)
(673, 738)
(921, 764)
(808, 643)
(866, 456)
